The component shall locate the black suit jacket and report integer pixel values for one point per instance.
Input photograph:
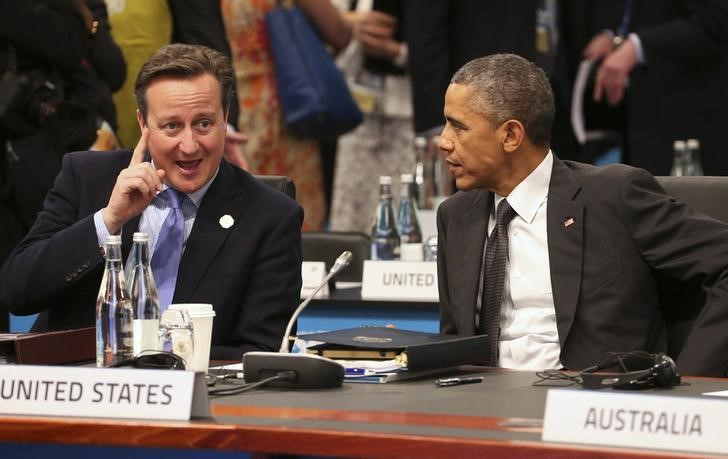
(603, 266)
(445, 34)
(250, 272)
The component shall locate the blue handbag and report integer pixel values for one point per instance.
(314, 97)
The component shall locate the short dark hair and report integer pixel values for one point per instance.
(184, 61)
(507, 86)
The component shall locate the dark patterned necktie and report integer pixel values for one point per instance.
(496, 252)
(168, 250)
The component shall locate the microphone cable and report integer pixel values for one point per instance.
(283, 375)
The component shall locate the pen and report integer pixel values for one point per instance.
(444, 382)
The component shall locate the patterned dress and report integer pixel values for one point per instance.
(270, 149)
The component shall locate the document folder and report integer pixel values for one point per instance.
(418, 351)
(51, 348)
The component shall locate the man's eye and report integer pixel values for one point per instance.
(205, 124)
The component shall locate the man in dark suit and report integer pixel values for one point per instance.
(584, 245)
(242, 245)
(443, 35)
(669, 72)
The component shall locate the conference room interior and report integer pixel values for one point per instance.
(488, 411)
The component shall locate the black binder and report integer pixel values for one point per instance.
(418, 351)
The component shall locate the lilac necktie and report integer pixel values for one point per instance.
(168, 250)
(496, 253)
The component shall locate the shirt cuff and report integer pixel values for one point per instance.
(101, 232)
(637, 42)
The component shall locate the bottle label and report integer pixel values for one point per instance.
(411, 252)
(146, 335)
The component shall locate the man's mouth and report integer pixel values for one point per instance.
(189, 165)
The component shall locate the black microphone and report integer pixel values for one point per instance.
(312, 371)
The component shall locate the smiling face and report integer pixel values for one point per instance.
(187, 127)
(473, 144)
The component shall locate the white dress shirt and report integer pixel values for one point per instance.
(529, 339)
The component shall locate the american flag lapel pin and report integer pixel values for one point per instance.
(568, 222)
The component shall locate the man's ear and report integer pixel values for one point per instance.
(140, 119)
(513, 135)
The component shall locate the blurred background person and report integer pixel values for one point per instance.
(270, 149)
(139, 28)
(446, 34)
(666, 63)
(375, 66)
(60, 66)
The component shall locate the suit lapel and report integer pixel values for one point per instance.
(474, 225)
(224, 197)
(565, 228)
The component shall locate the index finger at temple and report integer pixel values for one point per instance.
(140, 149)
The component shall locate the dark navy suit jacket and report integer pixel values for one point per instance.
(250, 272)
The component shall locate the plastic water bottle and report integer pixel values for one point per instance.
(679, 156)
(114, 335)
(693, 165)
(423, 185)
(144, 297)
(408, 226)
(385, 238)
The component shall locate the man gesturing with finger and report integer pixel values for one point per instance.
(221, 236)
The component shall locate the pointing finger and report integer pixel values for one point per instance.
(141, 148)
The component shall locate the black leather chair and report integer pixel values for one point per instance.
(280, 183)
(326, 246)
(682, 303)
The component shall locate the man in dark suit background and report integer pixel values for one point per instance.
(443, 35)
(584, 246)
(669, 73)
(242, 247)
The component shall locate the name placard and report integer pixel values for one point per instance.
(399, 280)
(312, 273)
(97, 392)
(610, 418)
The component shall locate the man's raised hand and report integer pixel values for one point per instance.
(135, 188)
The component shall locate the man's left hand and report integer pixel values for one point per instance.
(613, 76)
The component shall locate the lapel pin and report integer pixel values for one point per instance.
(567, 223)
(226, 221)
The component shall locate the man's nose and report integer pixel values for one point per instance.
(445, 144)
(188, 141)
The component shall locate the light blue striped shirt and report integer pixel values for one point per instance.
(154, 215)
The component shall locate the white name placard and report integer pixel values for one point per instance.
(399, 280)
(312, 273)
(96, 392)
(640, 420)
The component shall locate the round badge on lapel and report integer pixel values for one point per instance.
(226, 221)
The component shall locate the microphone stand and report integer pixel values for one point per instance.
(311, 371)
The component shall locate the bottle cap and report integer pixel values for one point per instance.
(140, 236)
(385, 180)
(678, 145)
(406, 178)
(113, 239)
(693, 144)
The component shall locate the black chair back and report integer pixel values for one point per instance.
(280, 183)
(326, 246)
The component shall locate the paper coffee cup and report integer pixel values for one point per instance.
(201, 315)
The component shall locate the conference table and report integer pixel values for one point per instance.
(500, 417)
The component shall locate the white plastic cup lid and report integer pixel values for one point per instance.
(195, 309)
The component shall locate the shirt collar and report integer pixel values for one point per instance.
(527, 196)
